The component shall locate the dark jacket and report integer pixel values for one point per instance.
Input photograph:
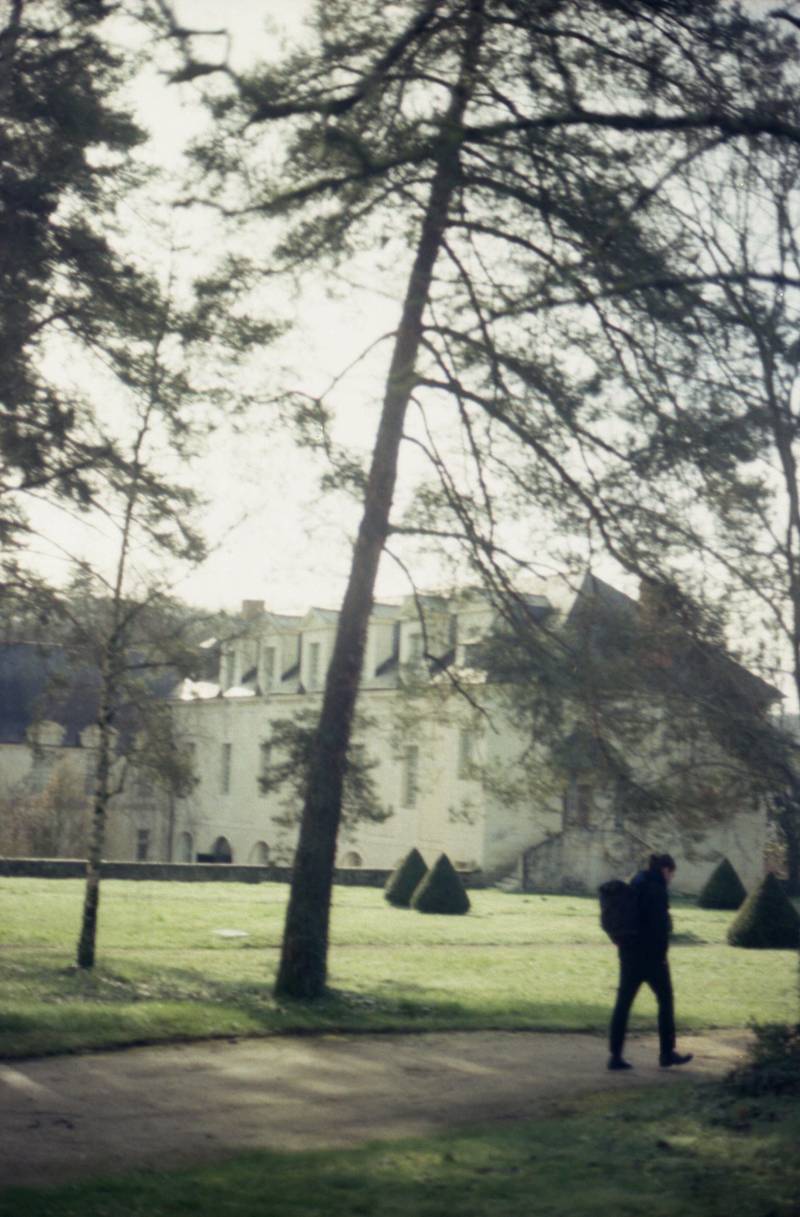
(654, 921)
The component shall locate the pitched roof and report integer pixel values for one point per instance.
(606, 616)
(42, 683)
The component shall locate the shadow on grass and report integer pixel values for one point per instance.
(636, 1154)
(395, 1006)
(686, 938)
(57, 1009)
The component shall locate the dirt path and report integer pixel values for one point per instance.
(65, 1117)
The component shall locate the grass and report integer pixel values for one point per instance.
(516, 961)
(658, 1153)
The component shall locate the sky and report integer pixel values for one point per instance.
(273, 535)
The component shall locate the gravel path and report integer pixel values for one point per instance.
(66, 1117)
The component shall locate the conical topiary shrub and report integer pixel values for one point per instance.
(405, 879)
(441, 891)
(723, 889)
(766, 919)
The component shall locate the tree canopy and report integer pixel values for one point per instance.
(67, 140)
(519, 161)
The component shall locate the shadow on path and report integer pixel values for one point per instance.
(68, 1117)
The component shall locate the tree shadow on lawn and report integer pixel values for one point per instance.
(401, 1005)
(107, 1008)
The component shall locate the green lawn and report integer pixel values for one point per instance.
(658, 1153)
(536, 962)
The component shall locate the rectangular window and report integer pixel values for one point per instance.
(415, 648)
(268, 668)
(584, 805)
(190, 753)
(466, 755)
(578, 800)
(142, 784)
(225, 783)
(313, 665)
(265, 760)
(90, 774)
(41, 767)
(142, 844)
(410, 776)
(473, 654)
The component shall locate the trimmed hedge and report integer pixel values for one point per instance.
(441, 891)
(405, 879)
(723, 889)
(767, 919)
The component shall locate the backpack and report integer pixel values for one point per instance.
(619, 910)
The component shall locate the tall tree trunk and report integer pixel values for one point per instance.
(303, 966)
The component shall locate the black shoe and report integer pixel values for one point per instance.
(616, 1062)
(675, 1058)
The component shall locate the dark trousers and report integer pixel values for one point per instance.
(634, 969)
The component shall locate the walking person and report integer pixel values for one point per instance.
(643, 958)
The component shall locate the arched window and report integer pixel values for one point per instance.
(222, 851)
(352, 859)
(259, 854)
(185, 847)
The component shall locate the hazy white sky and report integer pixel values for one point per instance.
(275, 538)
(273, 535)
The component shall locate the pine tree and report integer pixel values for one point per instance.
(530, 222)
(66, 164)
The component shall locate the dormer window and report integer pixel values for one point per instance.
(410, 777)
(225, 768)
(466, 755)
(314, 665)
(228, 669)
(268, 667)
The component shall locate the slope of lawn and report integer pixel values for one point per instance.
(164, 970)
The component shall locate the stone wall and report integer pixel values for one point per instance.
(191, 872)
(182, 872)
(579, 860)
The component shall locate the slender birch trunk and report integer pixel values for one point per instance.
(111, 668)
(91, 899)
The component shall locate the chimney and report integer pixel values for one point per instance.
(252, 609)
(654, 602)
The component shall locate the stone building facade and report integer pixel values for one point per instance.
(453, 772)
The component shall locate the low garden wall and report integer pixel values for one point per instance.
(183, 872)
(189, 872)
